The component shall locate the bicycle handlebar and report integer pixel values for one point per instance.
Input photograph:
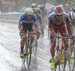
(31, 33)
(66, 37)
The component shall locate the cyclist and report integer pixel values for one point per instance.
(37, 11)
(26, 23)
(58, 23)
(51, 10)
(72, 18)
(72, 15)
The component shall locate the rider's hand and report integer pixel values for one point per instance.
(53, 33)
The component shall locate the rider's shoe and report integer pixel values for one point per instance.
(30, 50)
(62, 56)
(52, 63)
(58, 61)
(21, 55)
(71, 61)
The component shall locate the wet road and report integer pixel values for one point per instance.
(9, 50)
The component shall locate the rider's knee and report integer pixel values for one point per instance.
(38, 35)
(23, 38)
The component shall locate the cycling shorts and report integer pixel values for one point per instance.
(27, 27)
(60, 28)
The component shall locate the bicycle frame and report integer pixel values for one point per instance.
(69, 46)
(28, 49)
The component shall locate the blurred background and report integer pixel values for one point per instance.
(18, 5)
(12, 9)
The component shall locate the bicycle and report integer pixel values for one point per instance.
(58, 49)
(29, 48)
(70, 54)
(27, 51)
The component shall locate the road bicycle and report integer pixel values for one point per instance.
(61, 66)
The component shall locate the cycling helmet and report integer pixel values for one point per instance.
(52, 8)
(73, 8)
(59, 10)
(40, 6)
(36, 10)
(34, 5)
(29, 11)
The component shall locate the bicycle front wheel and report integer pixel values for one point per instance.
(29, 56)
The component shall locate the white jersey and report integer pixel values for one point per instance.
(72, 16)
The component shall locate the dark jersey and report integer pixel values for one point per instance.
(53, 19)
(28, 19)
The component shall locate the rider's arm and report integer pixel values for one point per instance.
(69, 26)
(50, 25)
(20, 25)
(71, 18)
(72, 23)
(35, 22)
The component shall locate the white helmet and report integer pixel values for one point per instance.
(29, 11)
(73, 8)
(34, 5)
(59, 10)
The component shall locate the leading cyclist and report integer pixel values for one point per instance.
(58, 23)
(26, 23)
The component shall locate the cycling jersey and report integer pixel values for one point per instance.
(53, 19)
(37, 11)
(72, 17)
(28, 19)
(27, 22)
(61, 25)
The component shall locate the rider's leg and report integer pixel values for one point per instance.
(63, 32)
(22, 42)
(31, 37)
(53, 31)
(41, 25)
(68, 49)
(42, 29)
(62, 51)
(52, 51)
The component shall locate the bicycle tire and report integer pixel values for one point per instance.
(74, 61)
(71, 66)
(58, 50)
(29, 49)
(64, 64)
(29, 56)
(72, 49)
(25, 57)
(35, 49)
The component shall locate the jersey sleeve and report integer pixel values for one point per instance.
(21, 18)
(50, 20)
(67, 19)
(34, 18)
